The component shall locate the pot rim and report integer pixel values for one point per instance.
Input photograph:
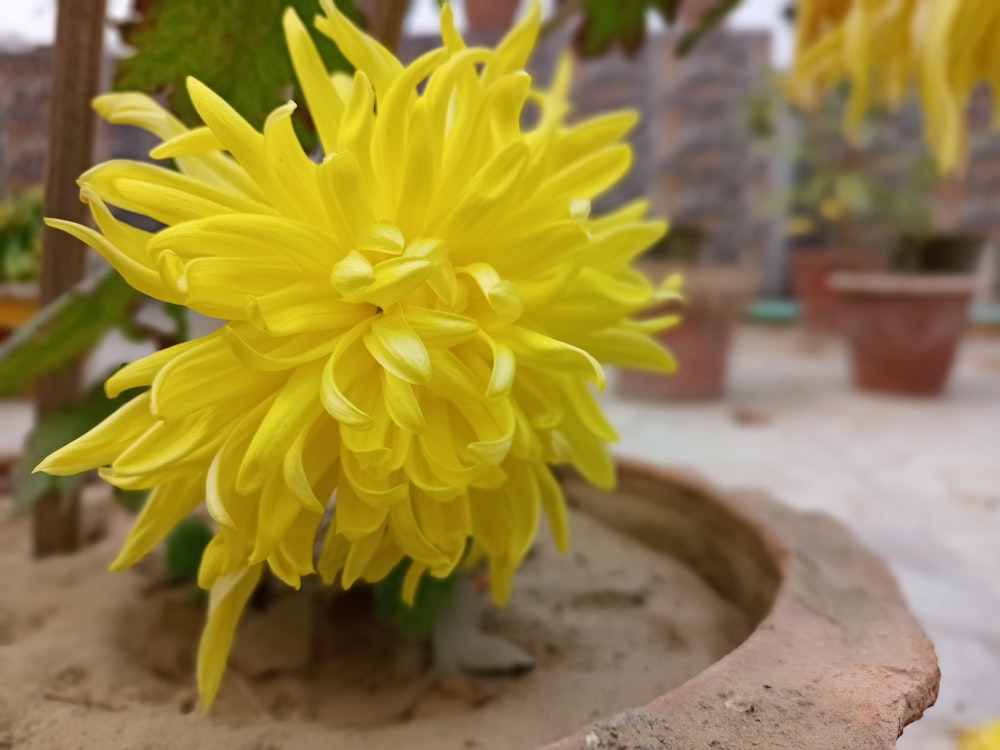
(836, 661)
(886, 282)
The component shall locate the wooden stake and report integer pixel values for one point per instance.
(76, 66)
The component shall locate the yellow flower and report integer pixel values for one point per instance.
(984, 738)
(411, 323)
(942, 49)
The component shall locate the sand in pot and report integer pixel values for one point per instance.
(94, 660)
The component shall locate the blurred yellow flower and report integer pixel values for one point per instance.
(411, 323)
(984, 738)
(941, 49)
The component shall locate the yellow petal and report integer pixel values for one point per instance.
(340, 373)
(325, 104)
(364, 52)
(102, 444)
(395, 346)
(438, 327)
(226, 602)
(164, 508)
(359, 555)
(292, 412)
(402, 404)
(414, 574)
(515, 48)
(554, 505)
(354, 517)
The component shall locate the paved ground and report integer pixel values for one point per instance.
(918, 480)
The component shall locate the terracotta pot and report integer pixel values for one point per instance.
(836, 661)
(715, 300)
(810, 276)
(18, 304)
(903, 329)
(491, 15)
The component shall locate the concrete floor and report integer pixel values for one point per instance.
(918, 480)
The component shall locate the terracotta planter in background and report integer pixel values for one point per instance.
(491, 15)
(810, 277)
(18, 304)
(715, 301)
(903, 329)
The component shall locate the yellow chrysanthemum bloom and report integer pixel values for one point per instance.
(942, 49)
(411, 323)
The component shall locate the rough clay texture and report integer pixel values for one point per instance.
(91, 660)
(838, 663)
(94, 661)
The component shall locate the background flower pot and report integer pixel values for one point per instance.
(810, 277)
(903, 330)
(490, 15)
(18, 304)
(715, 300)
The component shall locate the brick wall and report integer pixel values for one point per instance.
(24, 105)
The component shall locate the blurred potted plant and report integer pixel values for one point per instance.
(869, 259)
(20, 235)
(904, 325)
(837, 202)
(715, 299)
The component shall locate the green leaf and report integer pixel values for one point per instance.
(53, 431)
(131, 500)
(853, 192)
(622, 23)
(64, 330)
(20, 236)
(236, 47)
(607, 24)
(712, 18)
(413, 623)
(185, 546)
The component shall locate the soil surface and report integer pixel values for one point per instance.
(91, 660)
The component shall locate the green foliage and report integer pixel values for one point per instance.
(20, 237)
(414, 623)
(185, 546)
(53, 431)
(236, 47)
(842, 190)
(713, 17)
(131, 500)
(623, 23)
(64, 330)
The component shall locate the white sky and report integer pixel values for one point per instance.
(28, 23)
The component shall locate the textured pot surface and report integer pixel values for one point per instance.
(903, 330)
(837, 661)
(810, 277)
